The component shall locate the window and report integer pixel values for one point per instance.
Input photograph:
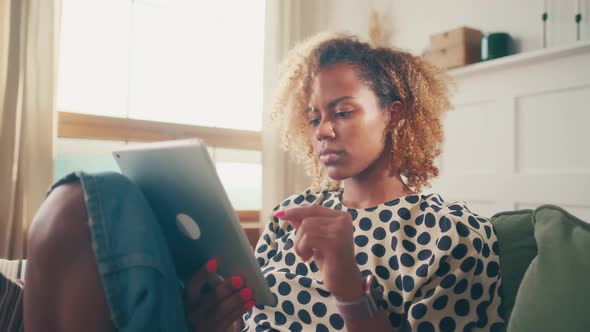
(145, 70)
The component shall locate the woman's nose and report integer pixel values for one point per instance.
(325, 130)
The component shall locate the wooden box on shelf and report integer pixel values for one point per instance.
(455, 48)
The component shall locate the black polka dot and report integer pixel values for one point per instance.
(336, 321)
(299, 199)
(419, 220)
(288, 307)
(425, 327)
(393, 263)
(488, 230)
(443, 269)
(319, 309)
(329, 203)
(408, 283)
(462, 230)
(321, 328)
(338, 207)
(310, 198)
(407, 260)
(398, 282)
(379, 233)
(410, 231)
(385, 215)
(492, 289)
(476, 291)
(448, 281)
(461, 286)
(261, 248)
(485, 251)
(361, 240)
(412, 199)
(295, 327)
(323, 293)
(467, 264)
(393, 243)
(479, 267)
(473, 222)
(423, 238)
(271, 280)
(492, 269)
(313, 267)
(287, 202)
(441, 302)
(301, 269)
(445, 224)
(392, 202)
(481, 311)
(304, 316)
(418, 310)
(447, 324)
(271, 253)
(284, 288)
(409, 246)
(288, 244)
(382, 272)
(423, 206)
(407, 306)
(498, 327)
(459, 251)
(280, 318)
(496, 248)
(462, 307)
(353, 213)
(424, 254)
(290, 276)
(305, 282)
(278, 256)
(445, 243)
(429, 220)
(378, 250)
(290, 259)
(365, 224)
(303, 297)
(371, 209)
(404, 213)
(260, 317)
(394, 226)
(361, 258)
(422, 270)
(429, 293)
(260, 261)
(394, 298)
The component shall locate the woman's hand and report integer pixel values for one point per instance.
(219, 308)
(327, 236)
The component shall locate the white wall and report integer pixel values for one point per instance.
(412, 21)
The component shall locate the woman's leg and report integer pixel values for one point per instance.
(63, 291)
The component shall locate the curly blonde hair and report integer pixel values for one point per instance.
(393, 75)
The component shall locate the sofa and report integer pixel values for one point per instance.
(545, 265)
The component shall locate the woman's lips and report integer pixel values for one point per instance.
(330, 156)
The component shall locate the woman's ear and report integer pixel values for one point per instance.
(394, 111)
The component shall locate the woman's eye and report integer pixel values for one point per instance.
(314, 122)
(343, 114)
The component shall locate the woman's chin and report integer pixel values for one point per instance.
(336, 173)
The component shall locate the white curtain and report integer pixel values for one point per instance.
(29, 32)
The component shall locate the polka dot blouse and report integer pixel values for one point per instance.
(438, 263)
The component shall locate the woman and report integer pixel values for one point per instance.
(361, 250)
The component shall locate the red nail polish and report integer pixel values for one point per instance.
(279, 214)
(246, 293)
(211, 265)
(249, 304)
(237, 282)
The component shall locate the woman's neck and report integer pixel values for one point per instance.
(375, 185)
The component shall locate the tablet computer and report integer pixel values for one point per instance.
(180, 182)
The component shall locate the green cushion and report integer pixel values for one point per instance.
(555, 292)
(515, 233)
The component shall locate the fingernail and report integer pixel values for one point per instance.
(211, 265)
(246, 293)
(249, 304)
(237, 282)
(279, 214)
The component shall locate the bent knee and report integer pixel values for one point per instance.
(60, 225)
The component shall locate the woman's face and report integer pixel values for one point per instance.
(346, 123)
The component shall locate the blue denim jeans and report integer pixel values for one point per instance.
(137, 272)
